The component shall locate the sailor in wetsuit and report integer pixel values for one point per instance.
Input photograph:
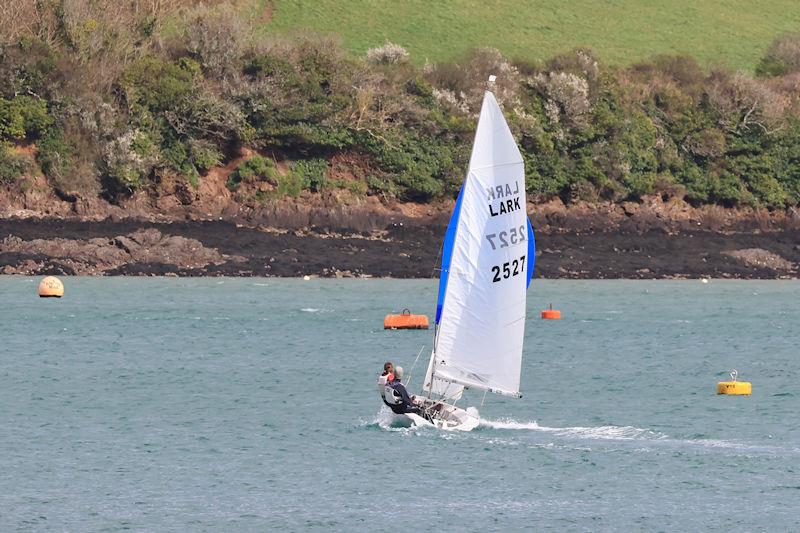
(397, 398)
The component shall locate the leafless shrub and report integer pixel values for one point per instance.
(17, 19)
(567, 97)
(743, 103)
(216, 39)
(101, 36)
(579, 62)
(681, 70)
(388, 54)
(783, 54)
(466, 82)
(450, 101)
(674, 83)
(374, 105)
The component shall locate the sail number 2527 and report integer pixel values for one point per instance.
(506, 270)
(506, 238)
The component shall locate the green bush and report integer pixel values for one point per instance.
(639, 184)
(190, 157)
(121, 178)
(176, 154)
(357, 188)
(11, 166)
(289, 185)
(255, 168)
(55, 156)
(204, 155)
(381, 185)
(696, 181)
(311, 173)
(158, 84)
(12, 123)
(23, 117)
(422, 168)
(268, 66)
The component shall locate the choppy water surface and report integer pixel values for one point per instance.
(250, 405)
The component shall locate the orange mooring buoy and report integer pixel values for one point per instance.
(551, 314)
(405, 320)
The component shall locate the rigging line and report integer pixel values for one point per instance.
(438, 261)
(410, 372)
(495, 165)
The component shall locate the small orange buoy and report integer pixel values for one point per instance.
(551, 314)
(51, 287)
(405, 320)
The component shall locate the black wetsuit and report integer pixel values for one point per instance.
(406, 405)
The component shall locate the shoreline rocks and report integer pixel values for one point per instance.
(38, 246)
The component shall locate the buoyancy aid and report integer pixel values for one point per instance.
(391, 396)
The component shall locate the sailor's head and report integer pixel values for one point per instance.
(398, 372)
(388, 367)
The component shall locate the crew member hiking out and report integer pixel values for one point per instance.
(384, 379)
(397, 398)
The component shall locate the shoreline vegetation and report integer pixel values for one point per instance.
(187, 129)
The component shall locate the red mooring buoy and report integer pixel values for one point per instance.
(551, 314)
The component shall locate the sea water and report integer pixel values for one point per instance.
(166, 404)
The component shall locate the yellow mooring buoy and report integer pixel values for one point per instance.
(51, 287)
(734, 387)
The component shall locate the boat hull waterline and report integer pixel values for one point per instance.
(455, 419)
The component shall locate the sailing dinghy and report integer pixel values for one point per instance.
(487, 265)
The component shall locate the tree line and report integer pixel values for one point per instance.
(113, 101)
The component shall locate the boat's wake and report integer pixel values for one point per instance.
(642, 439)
(599, 432)
(647, 438)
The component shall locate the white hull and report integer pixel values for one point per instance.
(452, 419)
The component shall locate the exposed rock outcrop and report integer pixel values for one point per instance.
(99, 255)
(760, 258)
(213, 248)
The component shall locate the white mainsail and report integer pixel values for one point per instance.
(481, 320)
(441, 388)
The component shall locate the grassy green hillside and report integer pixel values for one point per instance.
(733, 33)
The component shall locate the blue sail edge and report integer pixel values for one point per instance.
(531, 253)
(447, 252)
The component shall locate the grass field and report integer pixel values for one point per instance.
(733, 33)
